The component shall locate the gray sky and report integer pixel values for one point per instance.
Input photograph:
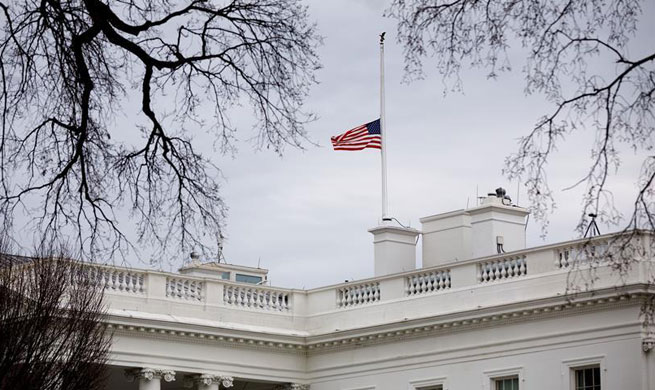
(306, 215)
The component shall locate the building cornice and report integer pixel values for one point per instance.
(564, 305)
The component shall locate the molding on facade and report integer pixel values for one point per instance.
(491, 320)
(424, 383)
(425, 327)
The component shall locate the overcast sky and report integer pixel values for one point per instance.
(305, 216)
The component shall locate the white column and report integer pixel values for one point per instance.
(149, 378)
(207, 382)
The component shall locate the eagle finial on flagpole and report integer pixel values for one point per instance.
(382, 38)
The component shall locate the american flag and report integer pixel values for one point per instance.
(361, 137)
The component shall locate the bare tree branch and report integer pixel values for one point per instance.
(66, 67)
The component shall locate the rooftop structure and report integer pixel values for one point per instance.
(484, 313)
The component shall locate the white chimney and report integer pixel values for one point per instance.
(394, 249)
(495, 226)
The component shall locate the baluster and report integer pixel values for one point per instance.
(245, 298)
(171, 286)
(178, 288)
(129, 282)
(103, 279)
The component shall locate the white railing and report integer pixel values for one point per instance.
(256, 298)
(438, 281)
(117, 279)
(182, 288)
(581, 253)
(426, 282)
(505, 268)
(359, 294)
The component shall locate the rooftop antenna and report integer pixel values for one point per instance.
(592, 229)
(259, 260)
(220, 248)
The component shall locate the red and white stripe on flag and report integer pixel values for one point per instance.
(361, 137)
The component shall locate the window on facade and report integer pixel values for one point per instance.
(511, 383)
(225, 275)
(587, 378)
(430, 388)
(248, 279)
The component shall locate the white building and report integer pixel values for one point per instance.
(484, 313)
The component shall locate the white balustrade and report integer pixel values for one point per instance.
(120, 280)
(581, 254)
(426, 282)
(499, 269)
(359, 294)
(182, 288)
(256, 298)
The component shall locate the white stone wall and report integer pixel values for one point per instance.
(540, 352)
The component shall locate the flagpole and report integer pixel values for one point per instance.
(383, 155)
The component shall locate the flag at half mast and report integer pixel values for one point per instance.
(361, 137)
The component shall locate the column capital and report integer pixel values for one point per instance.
(208, 379)
(647, 344)
(149, 374)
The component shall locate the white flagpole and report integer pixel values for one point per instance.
(385, 204)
